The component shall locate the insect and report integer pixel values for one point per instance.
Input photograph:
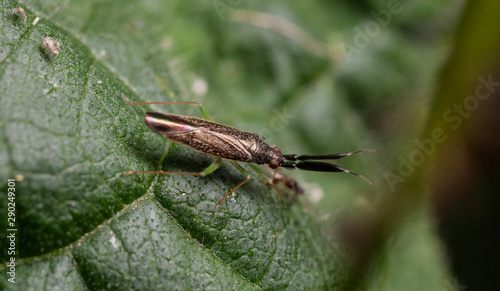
(51, 46)
(235, 145)
(288, 182)
(20, 12)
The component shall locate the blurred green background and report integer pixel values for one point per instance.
(316, 77)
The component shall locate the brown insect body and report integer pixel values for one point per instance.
(226, 142)
(213, 138)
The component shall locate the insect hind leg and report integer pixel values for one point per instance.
(231, 192)
(203, 110)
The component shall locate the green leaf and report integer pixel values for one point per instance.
(68, 133)
(68, 136)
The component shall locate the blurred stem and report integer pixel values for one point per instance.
(287, 29)
(476, 44)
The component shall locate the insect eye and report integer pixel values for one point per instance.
(277, 149)
(274, 164)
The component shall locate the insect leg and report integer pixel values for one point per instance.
(244, 172)
(269, 181)
(209, 170)
(203, 110)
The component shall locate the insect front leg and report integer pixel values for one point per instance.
(269, 181)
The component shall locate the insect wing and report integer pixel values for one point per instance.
(161, 124)
(207, 137)
(214, 143)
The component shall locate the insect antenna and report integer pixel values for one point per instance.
(323, 157)
(327, 167)
(306, 164)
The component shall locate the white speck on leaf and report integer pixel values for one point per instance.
(114, 241)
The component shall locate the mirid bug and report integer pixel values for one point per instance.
(288, 182)
(234, 145)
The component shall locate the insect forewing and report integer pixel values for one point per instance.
(204, 136)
